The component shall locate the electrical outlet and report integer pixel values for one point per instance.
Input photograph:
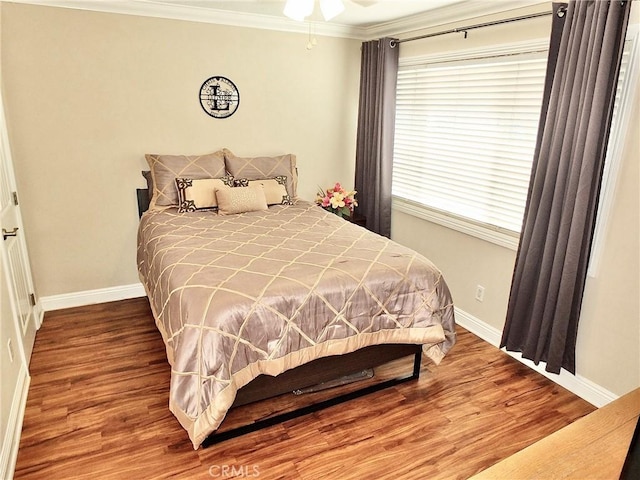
(479, 293)
(10, 349)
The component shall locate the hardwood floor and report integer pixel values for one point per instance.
(98, 408)
(595, 446)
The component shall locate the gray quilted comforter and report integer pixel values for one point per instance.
(262, 292)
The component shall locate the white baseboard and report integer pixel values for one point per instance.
(11, 440)
(584, 388)
(90, 297)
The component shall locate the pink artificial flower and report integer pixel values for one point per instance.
(336, 199)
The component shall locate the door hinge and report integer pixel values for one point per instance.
(32, 299)
(15, 198)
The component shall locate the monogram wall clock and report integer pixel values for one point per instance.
(219, 97)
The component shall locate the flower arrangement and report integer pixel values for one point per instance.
(337, 200)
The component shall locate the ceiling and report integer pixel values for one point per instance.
(357, 13)
(361, 19)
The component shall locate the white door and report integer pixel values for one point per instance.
(13, 249)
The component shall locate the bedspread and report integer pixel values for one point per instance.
(262, 292)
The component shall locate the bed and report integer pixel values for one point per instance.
(247, 292)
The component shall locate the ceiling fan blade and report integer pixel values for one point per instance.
(331, 8)
(365, 3)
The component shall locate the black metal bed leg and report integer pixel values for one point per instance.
(417, 362)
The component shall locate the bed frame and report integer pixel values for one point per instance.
(317, 372)
(311, 374)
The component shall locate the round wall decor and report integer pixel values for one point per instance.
(219, 97)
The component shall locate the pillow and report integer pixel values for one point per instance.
(147, 176)
(166, 168)
(275, 190)
(240, 200)
(263, 168)
(200, 193)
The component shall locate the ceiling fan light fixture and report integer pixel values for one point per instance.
(331, 8)
(298, 9)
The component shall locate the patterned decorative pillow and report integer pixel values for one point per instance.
(240, 200)
(264, 168)
(200, 193)
(240, 182)
(166, 168)
(275, 189)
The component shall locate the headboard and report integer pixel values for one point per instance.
(143, 200)
(144, 194)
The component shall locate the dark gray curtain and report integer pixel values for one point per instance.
(376, 127)
(551, 264)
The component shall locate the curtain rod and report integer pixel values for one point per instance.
(561, 12)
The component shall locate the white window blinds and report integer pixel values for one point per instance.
(465, 136)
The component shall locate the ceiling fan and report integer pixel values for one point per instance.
(300, 9)
(365, 3)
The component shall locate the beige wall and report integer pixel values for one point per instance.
(88, 94)
(609, 331)
(608, 348)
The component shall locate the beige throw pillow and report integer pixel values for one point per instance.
(200, 194)
(240, 200)
(275, 190)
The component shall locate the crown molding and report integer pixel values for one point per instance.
(203, 15)
(454, 13)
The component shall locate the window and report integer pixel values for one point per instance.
(466, 127)
(465, 137)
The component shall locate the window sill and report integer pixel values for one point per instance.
(494, 235)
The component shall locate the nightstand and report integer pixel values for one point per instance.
(357, 219)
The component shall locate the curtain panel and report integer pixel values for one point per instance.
(376, 128)
(551, 264)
